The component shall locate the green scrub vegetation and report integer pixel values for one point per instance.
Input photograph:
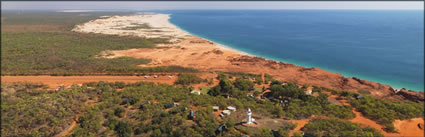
(35, 43)
(300, 105)
(187, 79)
(149, 109)
(385, 112)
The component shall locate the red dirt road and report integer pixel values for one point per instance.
(55, 81)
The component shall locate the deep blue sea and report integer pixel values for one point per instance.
(385, 46)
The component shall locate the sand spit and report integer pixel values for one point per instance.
(144, 25)
(191, 51)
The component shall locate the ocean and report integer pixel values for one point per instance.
(385, 46)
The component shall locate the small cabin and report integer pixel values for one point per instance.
(232, 108)
(170, 105)
(308, 92)
(196, 92)
(216, 108)
(226, 112)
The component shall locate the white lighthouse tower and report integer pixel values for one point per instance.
(249, 119)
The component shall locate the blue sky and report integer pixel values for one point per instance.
(147, 5)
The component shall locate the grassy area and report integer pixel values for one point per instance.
(42, 43)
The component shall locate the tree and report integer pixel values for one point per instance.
(187, 79)
(90, 121)
(390, 128)
(230, 123)
(277, 90)
(323, 99)
(123, 129)
(283, 132)
(243, 84)
(225, 86)
(297, 134)
(215, 91)
(317, 89)
(119, 111)
(263, 132)
(221, 76)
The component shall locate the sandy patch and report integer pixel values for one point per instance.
(410, 127)
(143, 25)
(300, 124)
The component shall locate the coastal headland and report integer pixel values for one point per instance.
(188, 50)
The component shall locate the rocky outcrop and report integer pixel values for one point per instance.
(411, 95)
(316, 76)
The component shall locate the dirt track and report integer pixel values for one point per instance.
(55, 81)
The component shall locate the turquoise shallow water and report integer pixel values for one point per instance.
(382, 46)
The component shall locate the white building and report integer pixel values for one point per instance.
(196, 92)
(249, 118)
(216, 108)
(232, 108)
(308, 92)
(226, 112)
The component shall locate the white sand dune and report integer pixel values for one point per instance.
(142, 25)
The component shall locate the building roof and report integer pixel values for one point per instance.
(227, 112)
(195, 92)
(169, 105)
(231, 108)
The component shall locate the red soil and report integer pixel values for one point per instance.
(54, 81)
(406, 128)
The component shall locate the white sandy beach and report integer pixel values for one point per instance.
(159, 27)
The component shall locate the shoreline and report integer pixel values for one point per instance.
(396, 85)
(189, 50)
(220, 45)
